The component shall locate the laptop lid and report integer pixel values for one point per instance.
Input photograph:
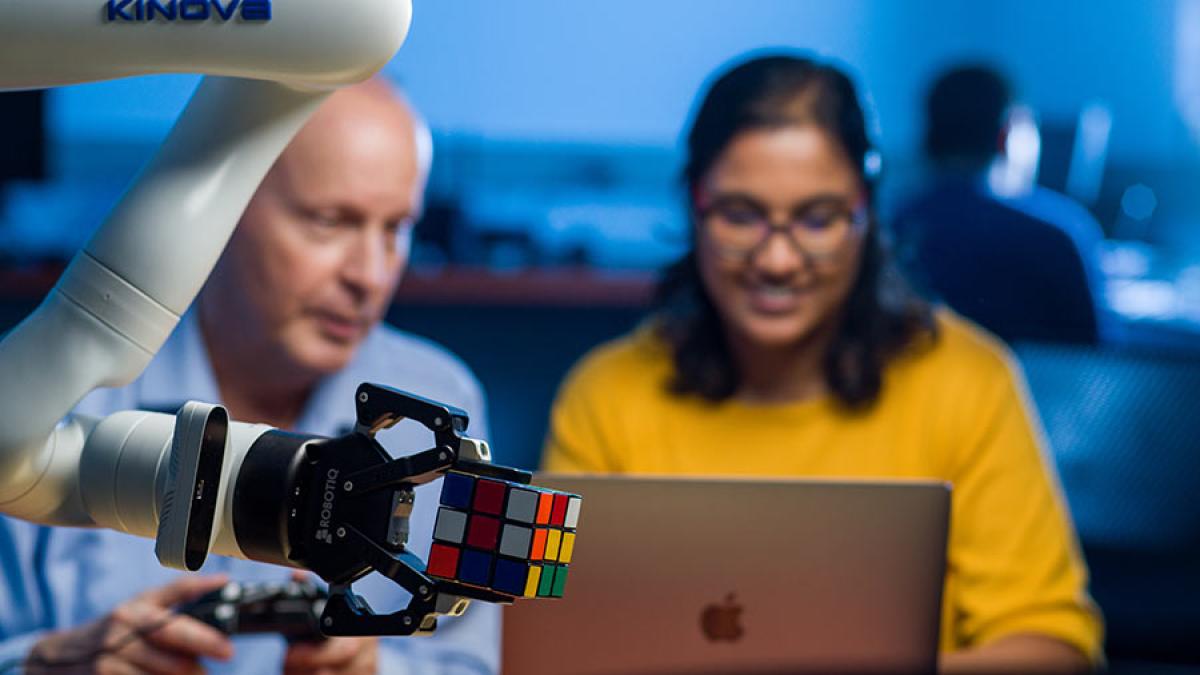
(684, 575)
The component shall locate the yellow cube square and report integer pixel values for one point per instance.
(553, 541)
(568, 546)
(531, 585)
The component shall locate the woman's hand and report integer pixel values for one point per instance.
(1026, 653)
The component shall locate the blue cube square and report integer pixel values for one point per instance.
(457, 489)
(475, 568)
(510, 577)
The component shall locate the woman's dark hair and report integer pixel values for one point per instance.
(881, 318)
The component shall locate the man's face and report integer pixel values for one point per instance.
(313, 264)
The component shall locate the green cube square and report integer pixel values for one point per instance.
(560, 581)
(546, 583)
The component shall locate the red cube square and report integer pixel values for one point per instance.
(483, 532)
(443, 561)
(489, 496)
(559, 514)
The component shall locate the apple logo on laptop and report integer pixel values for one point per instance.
(722, 622)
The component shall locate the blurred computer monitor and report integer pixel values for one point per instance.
(1074, 153)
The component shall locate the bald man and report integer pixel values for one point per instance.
(287, 327)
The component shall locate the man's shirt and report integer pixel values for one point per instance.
(57, 578)
(1026, 268)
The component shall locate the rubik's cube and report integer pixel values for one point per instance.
(506, 537)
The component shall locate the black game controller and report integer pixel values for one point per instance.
(291, 609)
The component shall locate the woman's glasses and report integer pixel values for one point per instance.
(739, 226)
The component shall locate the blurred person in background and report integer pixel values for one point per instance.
(284, 331)
(1024, 261)
(782, 344)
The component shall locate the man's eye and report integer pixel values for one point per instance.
(326, 221)
(320, 221)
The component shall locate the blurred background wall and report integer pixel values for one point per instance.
(570, 102)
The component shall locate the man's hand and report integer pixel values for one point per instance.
(335, 656)
(139, 636)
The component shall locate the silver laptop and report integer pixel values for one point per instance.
(681, 575)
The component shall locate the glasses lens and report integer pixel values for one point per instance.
(737, 228)
(823, 229)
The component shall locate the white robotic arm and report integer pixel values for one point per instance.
(123, 294)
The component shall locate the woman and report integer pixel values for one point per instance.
(782, 346)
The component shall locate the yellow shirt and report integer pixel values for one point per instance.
(953, 412)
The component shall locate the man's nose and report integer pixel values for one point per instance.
(370, 264)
